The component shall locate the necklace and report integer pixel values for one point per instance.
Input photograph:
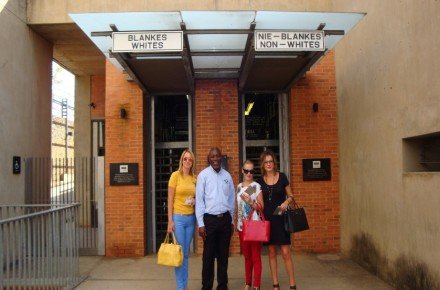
(270, 187)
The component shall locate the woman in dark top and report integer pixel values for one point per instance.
(276, 192)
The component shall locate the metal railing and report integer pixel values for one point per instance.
(72, 180)
(39, 246)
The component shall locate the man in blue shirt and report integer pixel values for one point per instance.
(215, 206)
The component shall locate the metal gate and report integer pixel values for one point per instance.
(170, 135)
(264, 126)
(71, 180)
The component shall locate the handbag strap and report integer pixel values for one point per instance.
(167, 239)
(174, 238)
(295, 205)
(259, 212)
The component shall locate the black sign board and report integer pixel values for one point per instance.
(316, 169)
(124, 174)
(16, 164)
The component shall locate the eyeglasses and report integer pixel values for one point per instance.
(268, 161)
(187, 159)
(247, 171)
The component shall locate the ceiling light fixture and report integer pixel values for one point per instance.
(249, 108)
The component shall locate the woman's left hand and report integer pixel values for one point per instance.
(284, 206)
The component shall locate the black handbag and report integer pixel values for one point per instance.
(295, 219)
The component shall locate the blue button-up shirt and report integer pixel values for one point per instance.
(215, 193)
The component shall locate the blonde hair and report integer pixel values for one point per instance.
(263, 156)
(187, 150)
(248, 162)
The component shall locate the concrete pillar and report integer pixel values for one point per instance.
(82, 117)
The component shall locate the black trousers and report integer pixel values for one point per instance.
(216, 245)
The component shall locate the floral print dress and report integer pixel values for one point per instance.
(244, 209)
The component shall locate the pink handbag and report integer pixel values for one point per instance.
(256, 231)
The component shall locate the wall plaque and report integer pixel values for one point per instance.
(124, 174)
(316, 169)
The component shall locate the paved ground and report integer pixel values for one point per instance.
(312, 272)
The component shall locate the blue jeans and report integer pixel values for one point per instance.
(184, 226)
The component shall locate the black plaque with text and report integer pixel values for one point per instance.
(124, 174)
(316, 169)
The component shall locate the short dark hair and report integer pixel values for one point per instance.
(212, 149)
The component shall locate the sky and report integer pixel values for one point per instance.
(63, 87)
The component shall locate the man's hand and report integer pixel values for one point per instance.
(202, 233)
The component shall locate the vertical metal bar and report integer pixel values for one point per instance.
(87, 206)
(83, 207)
(50, 247)
(29, 250)
(7, 252)
(56, 247)
(2, 262)
(34, 248)
(20, 250)
(69, 244)
(153, 173)
(59, 162)
(63, 246)
(14, 254)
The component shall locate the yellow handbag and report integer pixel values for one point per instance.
(170, 254)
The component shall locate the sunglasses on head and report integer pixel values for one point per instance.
(246, 171)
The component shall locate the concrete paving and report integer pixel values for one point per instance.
(326, 271)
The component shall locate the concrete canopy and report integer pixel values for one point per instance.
(215, 44)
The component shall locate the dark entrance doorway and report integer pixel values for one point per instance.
(170, 135)
(264, 126)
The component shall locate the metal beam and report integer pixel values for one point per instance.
(187, 59)
(218, 31)
(314, 58)
(218, 53)
(334, 32)
(216, 75)
(101, 33)
(248, 59)
(114, 28)
(129, 71)
(219, 69)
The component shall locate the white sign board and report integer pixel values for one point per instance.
(147, 41)
(289, 40)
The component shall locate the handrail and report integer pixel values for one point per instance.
(26, 216)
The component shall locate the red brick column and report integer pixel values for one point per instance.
(216, 125)
(315, 135)
(124, 205)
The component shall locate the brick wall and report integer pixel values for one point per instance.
(59, 138)
(315, 135)
(97, 96)
(216, 125)
(312, 135)
(124, 205)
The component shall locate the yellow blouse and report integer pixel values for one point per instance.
(184, 186)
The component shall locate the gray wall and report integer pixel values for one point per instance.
(25, 97)
(387, 83)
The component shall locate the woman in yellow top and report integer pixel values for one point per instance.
(181, 218)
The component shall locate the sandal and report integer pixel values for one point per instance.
(276, 286)
(247, 286)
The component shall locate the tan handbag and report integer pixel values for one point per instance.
(170, 254)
